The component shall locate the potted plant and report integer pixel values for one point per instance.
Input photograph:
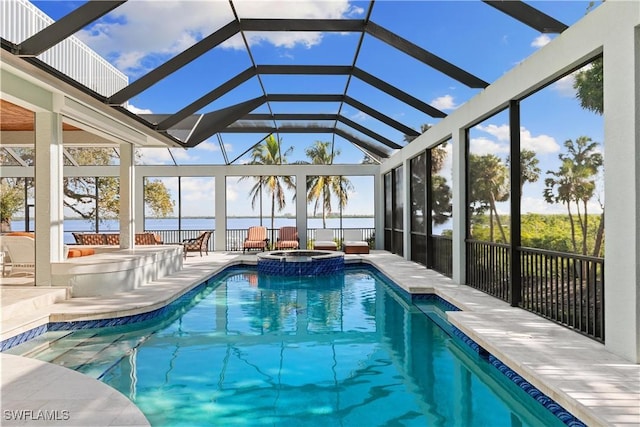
(11, 201)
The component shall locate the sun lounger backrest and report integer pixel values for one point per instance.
(257, 233)
(352, 236)
(324, 234)
(288, 233)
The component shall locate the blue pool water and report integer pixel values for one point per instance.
(250, 350)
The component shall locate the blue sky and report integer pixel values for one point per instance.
(140, 35)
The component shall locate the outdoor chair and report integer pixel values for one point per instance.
(353, 243)
(197, 244)
(288, 238)
(256, 239)
(324, 240)
(21, 251)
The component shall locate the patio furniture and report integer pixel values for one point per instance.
(353, 243)
(288, 238)
(113, 239)
(197, 244)
(324, 240)
(256, 239)
(147, 239)
(21, 254)
(90, 238)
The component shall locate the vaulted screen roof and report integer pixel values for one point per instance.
(367, 72)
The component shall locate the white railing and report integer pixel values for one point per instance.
(19, 20)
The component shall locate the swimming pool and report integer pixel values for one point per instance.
(246, 349)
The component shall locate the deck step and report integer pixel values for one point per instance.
(21, 302)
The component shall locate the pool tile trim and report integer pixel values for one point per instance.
(548, 403)
(114, 321)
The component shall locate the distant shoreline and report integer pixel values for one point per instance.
(228, 216)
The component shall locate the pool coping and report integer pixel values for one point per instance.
(590, 382)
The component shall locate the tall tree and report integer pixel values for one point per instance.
(441, 192)
(90, 198)
(423, 128)
(589, 85)
(11, 201)
(529, 170)
(320, 189)
(269, 153)
(489, 180)
(574, 184)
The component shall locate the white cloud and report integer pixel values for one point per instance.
(542, 144)
(137, 110)
(534, 204)
(194, 188)
(538, 205)
(541, 40)
(140, 34)
(444, 103)
(483, 145)
(359, 116)
(181, 155)
(564, 86)
(208, 146)
(154, 156)
(501, 133)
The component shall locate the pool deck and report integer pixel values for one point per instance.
(598, 387)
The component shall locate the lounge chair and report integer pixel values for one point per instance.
(21, 251)
(353, 243)
(197, 244)
(324, 240)
(288, 238)
(256, 239)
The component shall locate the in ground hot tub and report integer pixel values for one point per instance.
(300, 263)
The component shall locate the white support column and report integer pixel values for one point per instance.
(220, 235)
(378, 206)
(301, 208)
(127, 196)
(138, 202)
(458, 189)
(48, 194)
(406, 209)
(622, 189)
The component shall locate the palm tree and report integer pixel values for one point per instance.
(574, 183)
(321, 188)
(269, 153)
(489, 178)
(440, 191)
(529, 170)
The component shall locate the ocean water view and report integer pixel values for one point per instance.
(157, 224)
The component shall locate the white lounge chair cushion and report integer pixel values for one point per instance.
(324, 244)
(359, 243)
